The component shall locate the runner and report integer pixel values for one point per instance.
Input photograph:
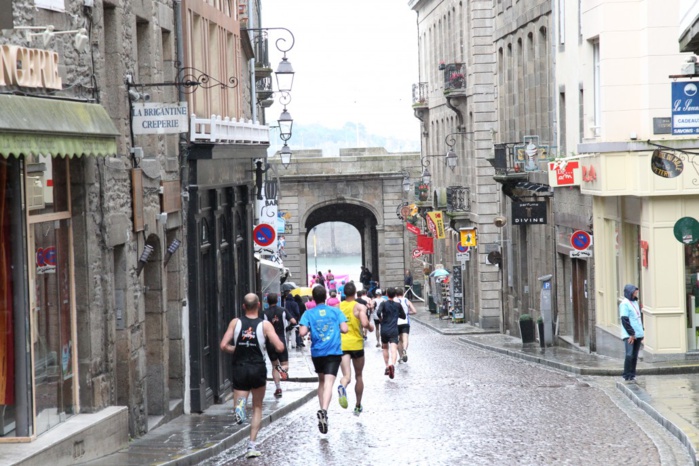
(376, 302)
(388, 313)
(367, 304)
(404, 324)
(280, 360)
(249, 334)
(353, 347)
(325, 323)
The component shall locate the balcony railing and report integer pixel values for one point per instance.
(504, 160)
(454, 77)
(227, 130)
(420, 94)
(458, 199)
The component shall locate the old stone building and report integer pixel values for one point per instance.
(117, 118)
(455, 102)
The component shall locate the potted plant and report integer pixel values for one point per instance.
(423, 192)
(540, 325)
(442, 65)
(526, 328)
(456, 80)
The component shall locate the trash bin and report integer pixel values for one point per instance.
(417, 289)
(432, 306)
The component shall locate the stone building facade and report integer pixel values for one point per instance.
(99, 318)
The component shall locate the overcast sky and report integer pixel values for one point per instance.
(355, 61)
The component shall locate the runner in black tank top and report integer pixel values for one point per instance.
(244, 339)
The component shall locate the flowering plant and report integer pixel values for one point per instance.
(456, 76)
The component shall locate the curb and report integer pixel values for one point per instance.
(197, 456)
(638, 397)
(450, 333)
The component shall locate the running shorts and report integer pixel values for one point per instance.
(249, 376)
(281, 357)
(355, 354)
(405, 328)
(389, 338)
(327, 364)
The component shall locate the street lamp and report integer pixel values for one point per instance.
(285, 155)
(284, 75)
(285, 124)
(451, 159)
(406, 183)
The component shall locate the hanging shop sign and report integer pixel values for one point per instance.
(564, 173)
(425, 244)
(685, 108)
(159, 118)
(412, 228)
(26, 67)
(468, 237)
(529, 213)
(435, 222)
(686, 230)
(666, 164)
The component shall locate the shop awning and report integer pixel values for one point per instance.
(59, 128)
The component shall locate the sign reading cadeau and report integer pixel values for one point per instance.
(685, 108)
(160, 118)
(529, 213)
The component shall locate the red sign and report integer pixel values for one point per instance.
(416, 253)
(588, 174)
(425, 244)
(644, 253)
(566, 173)
(412, 228)
(431, 226)
(580, 240)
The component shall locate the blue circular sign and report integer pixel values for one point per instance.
(580, 240)
(264, 235)
(461, 248)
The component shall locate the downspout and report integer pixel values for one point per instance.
(184, 189)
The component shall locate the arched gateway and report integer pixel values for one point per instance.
(362, 189)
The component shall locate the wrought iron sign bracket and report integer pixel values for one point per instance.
(189, 79)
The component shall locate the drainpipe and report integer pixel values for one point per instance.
(184, 188)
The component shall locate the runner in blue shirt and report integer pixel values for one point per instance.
(325, 324)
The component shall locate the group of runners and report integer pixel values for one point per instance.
(337, 335)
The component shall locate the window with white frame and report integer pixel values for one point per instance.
(597, 89)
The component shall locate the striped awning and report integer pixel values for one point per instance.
(51, 127)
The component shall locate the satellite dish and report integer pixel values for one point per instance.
(494, 258)
(500, 221)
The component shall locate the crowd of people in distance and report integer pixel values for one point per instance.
(337, 320)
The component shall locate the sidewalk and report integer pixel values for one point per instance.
(192, 438)
(668, 391)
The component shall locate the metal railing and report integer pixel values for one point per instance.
(458, 199)
(227, 130)
(454, 76)
(420, 94)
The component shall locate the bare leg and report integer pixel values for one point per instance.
(325, 389)
(384, 346)
(404, 341)
(275, 373)
(258, 395)
(378, 333)
(359, 379)
(346, 369)
(394, 353)
(238, 394)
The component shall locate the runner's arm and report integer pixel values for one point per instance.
(411, 308)
(271, 336)
(227, 337)
(303, 331)
(360, 312)
(344, 328)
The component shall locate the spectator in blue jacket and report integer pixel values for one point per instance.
(631, 330)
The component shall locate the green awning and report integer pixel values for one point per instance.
(33, 125)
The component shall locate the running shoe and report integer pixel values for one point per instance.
(283, 373)
(391, 371)
(278, 393)
(240, 411)
(252, 453)
(342, 394)
(386, 372)
(358, 410)
(404, 358)
(378, 345)
(322, 421)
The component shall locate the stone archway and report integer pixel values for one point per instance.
(356, 213)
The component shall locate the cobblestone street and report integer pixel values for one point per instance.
(456, 404)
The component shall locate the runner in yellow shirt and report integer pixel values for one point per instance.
(353, 347)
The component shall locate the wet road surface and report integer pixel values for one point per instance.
(457, 404)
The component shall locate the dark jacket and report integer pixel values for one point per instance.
(388, 313)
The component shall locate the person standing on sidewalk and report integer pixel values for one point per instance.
(353, 347)
(248, 335)
(280, 360)
(631, 330)
(404, 324)
(325, 324)
(388, 313)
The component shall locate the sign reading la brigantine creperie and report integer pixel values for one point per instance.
(159, 118)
